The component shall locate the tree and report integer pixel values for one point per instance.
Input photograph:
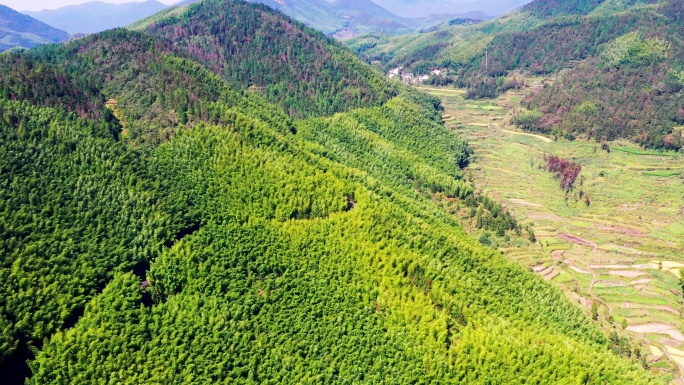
(594, 310)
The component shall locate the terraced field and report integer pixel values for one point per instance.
(623, 251)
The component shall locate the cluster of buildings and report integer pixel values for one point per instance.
(409, 77)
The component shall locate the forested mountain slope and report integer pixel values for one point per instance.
(21, 31)
(163, 225)
(621, 60)
(288, 63)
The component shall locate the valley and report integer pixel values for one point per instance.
(622, 252)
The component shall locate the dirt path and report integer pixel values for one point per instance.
(445, 90)
(524, 203)
(542, 138)
(578, 270)
(650, 328)
(626, 273)
(632, 305)
(577, 240)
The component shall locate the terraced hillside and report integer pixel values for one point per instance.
(617, 254)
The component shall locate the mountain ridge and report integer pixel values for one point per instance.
(21, 31)
(97, 16)
(345, 19)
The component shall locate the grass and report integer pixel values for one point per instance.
(645, 152)
(633, 217)
(665, 174)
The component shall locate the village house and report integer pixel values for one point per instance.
(407, 77)
(394, 72)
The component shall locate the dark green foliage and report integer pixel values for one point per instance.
(289, 64)
(42, 85)
(491, 216)
(75, 206)
(154, 90)
(555, 8)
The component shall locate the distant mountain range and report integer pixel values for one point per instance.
(348, 18)
(21, 31)
(340, 19)
(96, 16)
(415, 8)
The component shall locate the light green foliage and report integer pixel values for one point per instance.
(529, 120)
(632, 48)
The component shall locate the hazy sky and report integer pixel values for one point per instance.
(39, 5)
(405, 8)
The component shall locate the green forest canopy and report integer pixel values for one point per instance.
(193, 232)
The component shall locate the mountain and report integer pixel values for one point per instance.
(22, 31)
(187, 204)
(623, 47)
(96, 16)
(413, 8)
(345, 19)
(288, 63)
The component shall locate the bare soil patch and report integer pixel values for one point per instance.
(627, 274)
(524, 203)
(656, 351)
(609, 283)
(543, 217)
(578, 270)
(557, 255)
(553, 274)
(614, 267)
(670, 342)
(675, 334)
(576, 240)
(631, 305)
(621, 230)
(650, 328)
(648, 266)
(542, 138)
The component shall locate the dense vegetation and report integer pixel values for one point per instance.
(236, 245)
(555, 8)
(289, 64)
